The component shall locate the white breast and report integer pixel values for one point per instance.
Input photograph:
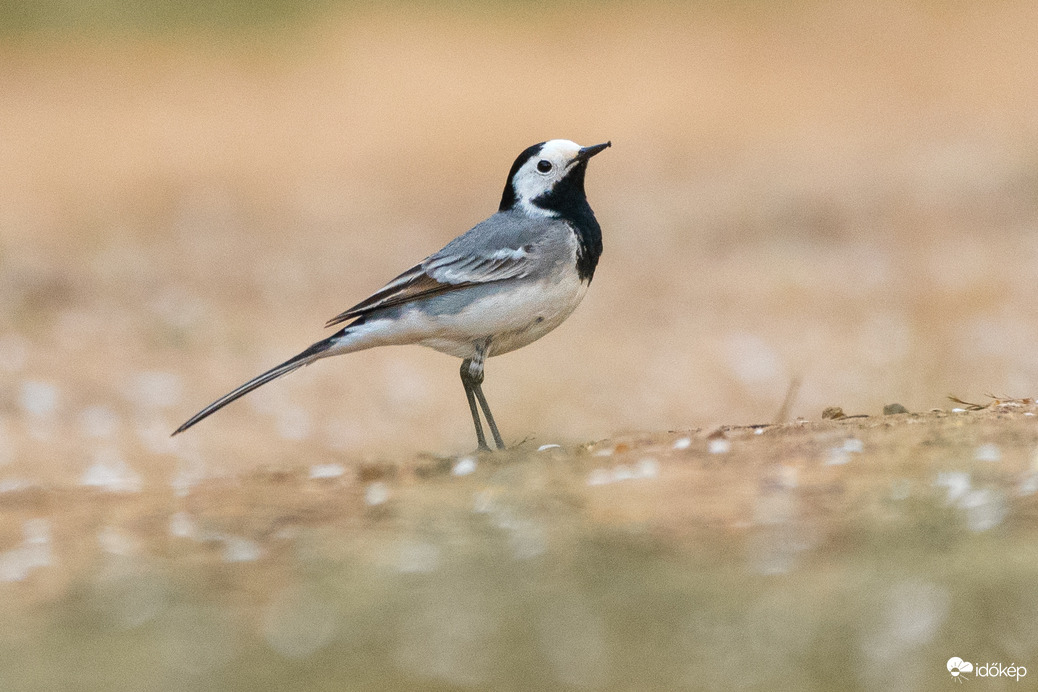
(511, 318)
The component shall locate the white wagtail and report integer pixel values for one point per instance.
(502, 285)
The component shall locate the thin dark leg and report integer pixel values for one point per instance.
(466, 381)
(478, 389)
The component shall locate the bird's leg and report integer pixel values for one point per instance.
(490, 417)
(472, 377)
(466, 381)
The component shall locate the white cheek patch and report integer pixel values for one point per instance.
(529, 183)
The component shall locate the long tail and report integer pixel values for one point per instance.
(315, 352)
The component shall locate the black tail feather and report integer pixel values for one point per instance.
(305, 358)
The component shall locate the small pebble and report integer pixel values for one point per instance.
(237, 549)
(719, 446)
(623, 473)
(110, 473)
(1029, 486)
(464, 467)
(39, 398)
(683, 443)
(985, 509)
(35, 551)
(958, 484)
(645, 468)
(648, 468)
(181, 525)
(376, 493)
(14, 485)
(893, 409)
(544, 448)
(326, 471)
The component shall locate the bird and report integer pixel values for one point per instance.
(501, 285)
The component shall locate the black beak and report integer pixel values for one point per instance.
(587, 152)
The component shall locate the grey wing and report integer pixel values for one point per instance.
(502, 247)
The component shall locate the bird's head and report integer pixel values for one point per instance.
(548, 177)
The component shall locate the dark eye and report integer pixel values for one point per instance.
(543, 166)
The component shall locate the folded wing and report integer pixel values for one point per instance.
(446, 271)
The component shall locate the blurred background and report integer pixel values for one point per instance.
(839, 195)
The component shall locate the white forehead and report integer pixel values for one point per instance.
(559, 150)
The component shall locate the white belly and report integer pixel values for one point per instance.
(512, 317)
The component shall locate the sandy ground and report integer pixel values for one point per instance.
(810, 555)
(839, 196)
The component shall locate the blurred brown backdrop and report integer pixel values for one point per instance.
(839, 192)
